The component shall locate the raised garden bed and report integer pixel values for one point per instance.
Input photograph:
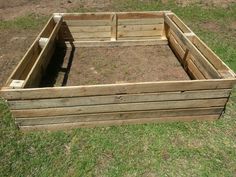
(92, 69)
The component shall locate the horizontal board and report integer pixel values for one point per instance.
(125, 38)
(86, 29)
(118, 116)
(139, 33)
(108, 43)
(129, 98)
(119, 107)
(137, 15)
(140, 27)
(147, 21)
(122, 88)
(117, 122)
(84, 16)
(91, 35)
(88, 22)
(87, 40)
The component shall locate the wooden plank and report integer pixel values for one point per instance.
(122, 88)
(113, 27)
(158, 27)
(84, 16)
(35, 74)
(118, 116)
(139, 33)
(158, 41)
(119, 107)
(138, 15)
(129, 98)
(88, 22)
(78, 29)
(212, 57)
(117, 122)
(194, 69)
(193, 50)
(184, 28)
(91, 35)
(146, 21)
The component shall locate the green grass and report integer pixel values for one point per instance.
(30, 21)
(167, 149)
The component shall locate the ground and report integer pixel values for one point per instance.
(170, 149)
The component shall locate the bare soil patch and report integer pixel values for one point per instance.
(211, 26)
(109, 65)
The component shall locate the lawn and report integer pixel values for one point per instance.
(165, 149)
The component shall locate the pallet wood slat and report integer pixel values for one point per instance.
(118, 116)
(109, 89)
(119, 107)
(63, 126)
(147, 21)
(115, 99)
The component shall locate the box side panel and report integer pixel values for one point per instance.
(118, 104)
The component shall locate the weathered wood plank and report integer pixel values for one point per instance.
(158, 41)
(129, 98)
(158, 27)
(88, 22)
(117, 122)
(78, 29)
(139, 33)
(99, 34)
(146, 21)
(184, 28)
(119, 107)
(118, 116)
(193, 50)
(110, 89)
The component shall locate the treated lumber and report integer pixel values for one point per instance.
(35, 74)
(83, 16)
(193, 50)
(127, 98)
(88, 22)
(119, 107)
(139, 33)
(154, 27)
(117, 122)
(122, 88)
(147, 21)
(78, 29)
(118, 116)
(91, 34)
(184, 28)
(158, 41)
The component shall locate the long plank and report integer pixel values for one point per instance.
(184, 28)
(117, 122)
(118, 116)
(95, 43)
(193, 50)
(119, 107)
(91, 34)
(35, 74)
(110, 89)
(129, 98)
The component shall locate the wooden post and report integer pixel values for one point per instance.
(113, 27)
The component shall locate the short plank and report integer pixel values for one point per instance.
(193, 50)
(117, 122)
(91, 35)
(122, 88)
(118, 116)
(84, 16)
(88, 22)
(138, 15)
(146, 21)
(194, 69)
(78, 29)
(111, 99)
(120, 107)
(151, 33)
